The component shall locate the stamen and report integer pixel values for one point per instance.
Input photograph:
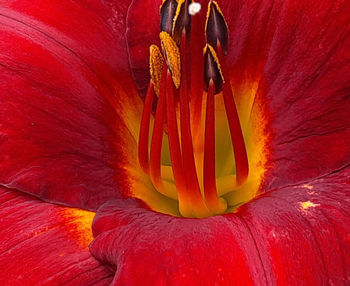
(216, 27)
(173, 134)
(156, 66)
(239, 148)
(182, 20)
(212, 71)
(172, 55)
(167, 13)
(196, 78)
(217, 35)
(174, 146)
(209, 149)
(157, 136)
(186, 135)
(144, 129)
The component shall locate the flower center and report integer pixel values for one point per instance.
(181, 156)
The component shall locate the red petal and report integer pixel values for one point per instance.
(62, 65)
(43, 244)
(296, 52)
(296, 235)
(142, 32)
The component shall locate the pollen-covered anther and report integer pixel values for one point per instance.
(216, 29)
(182, 20)
(167, 14)
(155, 64)
(212, 69)
(172, 55)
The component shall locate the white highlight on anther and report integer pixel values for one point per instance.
(194, 8)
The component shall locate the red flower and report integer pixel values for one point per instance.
(71, 76)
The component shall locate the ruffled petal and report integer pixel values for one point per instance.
(68, 107)
(297, 235)
(43, 244)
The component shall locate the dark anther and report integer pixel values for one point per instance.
(216, 29)
(212, 70)
(182, 20)
(167, 14)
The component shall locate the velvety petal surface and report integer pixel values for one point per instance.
(295, 53)
(69, 122)
(296, 235)
(67, 102)
(44, 244)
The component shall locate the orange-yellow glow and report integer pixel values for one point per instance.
(253, 121)
(255, 137)
(79, 224)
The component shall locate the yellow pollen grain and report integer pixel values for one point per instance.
(216, 59)
(307, 204)
(155, 65)
(172, 55)
(208, 13)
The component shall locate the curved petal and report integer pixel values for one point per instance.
(296, 235)
(291, 58)
(295, 54)
(142, 32)
(68, 104)
(43, 244)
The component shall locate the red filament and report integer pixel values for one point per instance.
(173, 134)
(157, 137)
(241, 158)
(144, 129)
(209, 173)
(186, 136)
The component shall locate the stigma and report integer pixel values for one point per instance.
(178, 138)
